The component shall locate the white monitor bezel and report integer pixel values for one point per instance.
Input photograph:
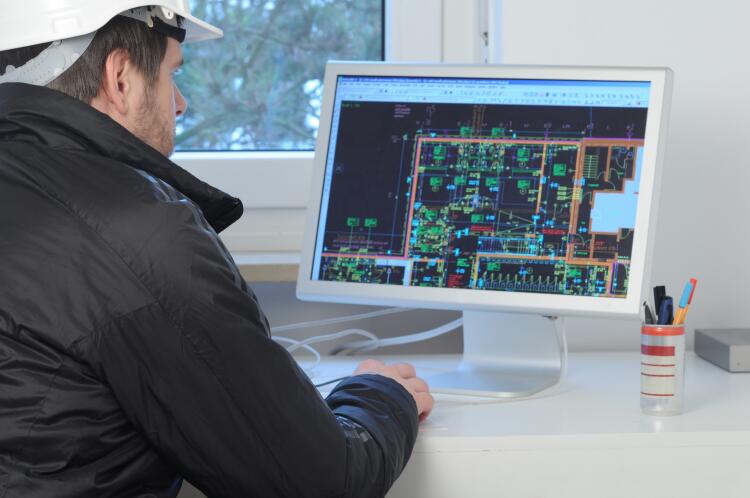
(472, 299)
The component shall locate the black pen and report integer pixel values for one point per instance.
(649, 316)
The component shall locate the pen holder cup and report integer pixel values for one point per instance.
(662, 369)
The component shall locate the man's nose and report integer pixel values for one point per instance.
(180, 102)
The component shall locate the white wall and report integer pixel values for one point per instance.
(704, 219)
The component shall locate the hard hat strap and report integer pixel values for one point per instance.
(50, 63)
(62, 54)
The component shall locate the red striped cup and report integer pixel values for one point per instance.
(662, 369)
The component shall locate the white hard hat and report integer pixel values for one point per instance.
(70, 26)
(31, 22)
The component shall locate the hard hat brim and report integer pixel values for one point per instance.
(197, 30)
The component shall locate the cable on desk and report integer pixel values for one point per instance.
(296, 344)
(306, 343)
(364, 346)
(374, 342)
(562, 343)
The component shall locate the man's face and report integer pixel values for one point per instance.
(160, 105)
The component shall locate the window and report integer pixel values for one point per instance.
(260, 87)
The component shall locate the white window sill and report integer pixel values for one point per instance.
(274, 188)
(245, 258)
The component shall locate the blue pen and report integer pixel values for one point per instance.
(659, 292)
(665, 311)
(679, 316)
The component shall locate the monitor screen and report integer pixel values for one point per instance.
(503, 185)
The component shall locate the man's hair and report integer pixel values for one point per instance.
(146, 48)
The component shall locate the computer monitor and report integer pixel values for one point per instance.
(487, 189)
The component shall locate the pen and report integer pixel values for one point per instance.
(685, 300)
(665, 311)
(660, 293)
(647, 312)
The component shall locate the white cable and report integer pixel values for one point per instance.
(562, 342)
(305, 344)
(296, 344)
(331, 337)
(331, 321)
(562, 346)
(363, 346)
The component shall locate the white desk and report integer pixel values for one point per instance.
(588, 438)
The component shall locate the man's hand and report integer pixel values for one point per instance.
(404, 374)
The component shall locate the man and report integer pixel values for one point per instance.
(132, 354)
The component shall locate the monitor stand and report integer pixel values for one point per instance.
(506, 355)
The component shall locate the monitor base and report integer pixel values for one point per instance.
(506, 355)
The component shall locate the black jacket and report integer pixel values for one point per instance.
(132, 352)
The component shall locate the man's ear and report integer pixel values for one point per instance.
(116, 86)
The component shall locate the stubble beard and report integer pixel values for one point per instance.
(153, 127)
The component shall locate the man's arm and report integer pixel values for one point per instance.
(198, 375)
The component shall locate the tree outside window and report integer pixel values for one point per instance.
(260, 87)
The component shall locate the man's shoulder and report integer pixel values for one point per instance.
(72, 222)
(110, 196)
(81, 180)
(126, 216)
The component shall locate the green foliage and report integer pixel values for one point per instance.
(260, 87)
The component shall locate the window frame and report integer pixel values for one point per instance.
(270, 231)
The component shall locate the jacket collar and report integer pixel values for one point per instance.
(38, 114)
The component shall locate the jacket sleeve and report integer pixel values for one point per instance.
(197, 373)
